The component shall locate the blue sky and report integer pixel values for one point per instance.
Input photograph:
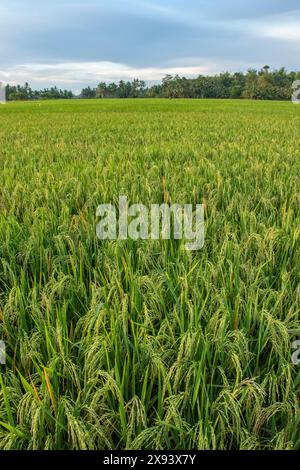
(76, 42)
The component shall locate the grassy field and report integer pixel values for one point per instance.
(141, 344)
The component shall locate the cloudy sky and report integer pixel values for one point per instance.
(73, 43)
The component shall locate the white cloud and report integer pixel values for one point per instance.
(284, 27)
(77, 73)
(288, 32)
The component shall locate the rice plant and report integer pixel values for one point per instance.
(141, 344)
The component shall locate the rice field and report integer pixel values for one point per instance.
(141, 344)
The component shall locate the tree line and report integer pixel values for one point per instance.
(263, 84)
(25, 92)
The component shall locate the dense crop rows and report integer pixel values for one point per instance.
(142, 344)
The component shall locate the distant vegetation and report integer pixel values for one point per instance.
(259, 85)
(24, 93)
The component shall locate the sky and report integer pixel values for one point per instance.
(74, 43)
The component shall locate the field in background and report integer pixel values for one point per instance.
(123, 344)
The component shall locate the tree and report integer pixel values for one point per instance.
(88, 93)
(101, 91)
(251, 86)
